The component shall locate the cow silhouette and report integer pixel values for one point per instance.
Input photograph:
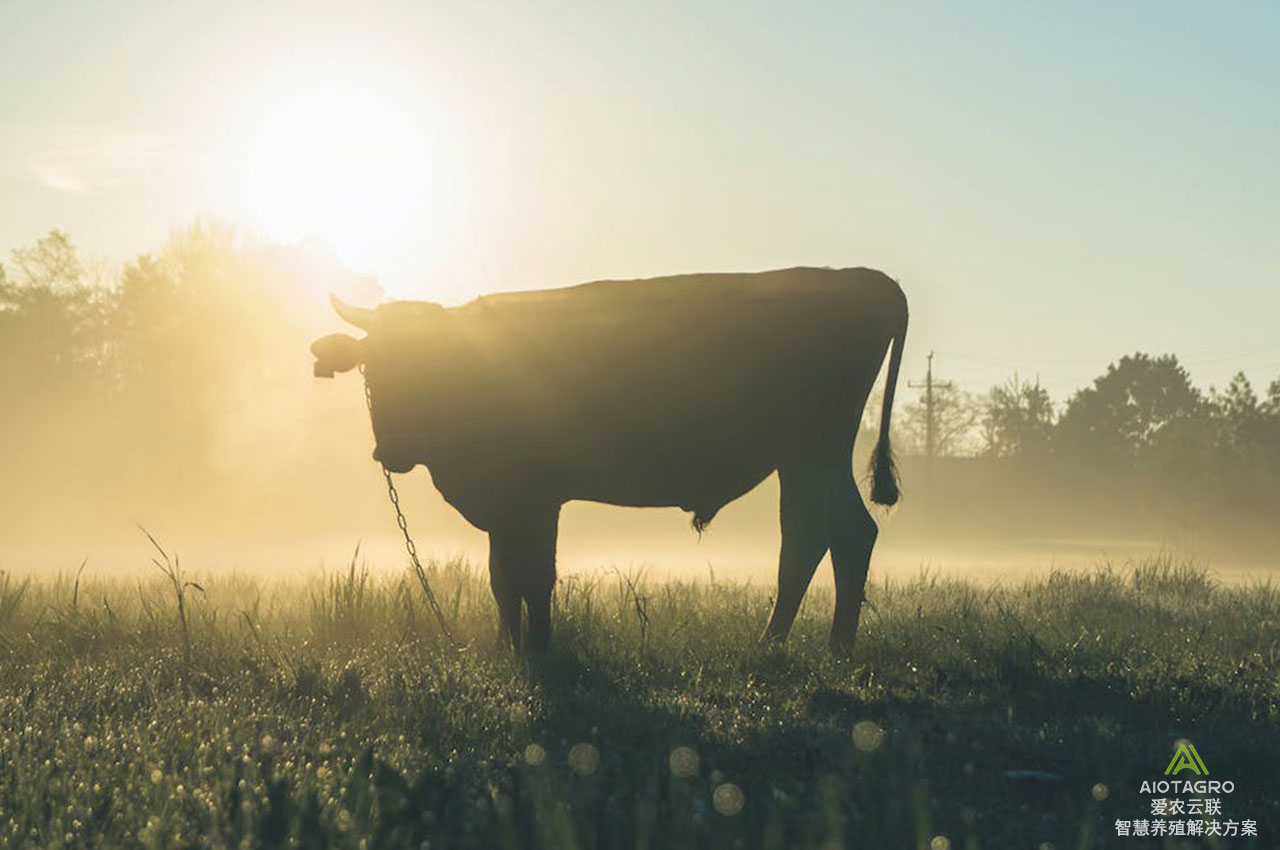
(681, 391)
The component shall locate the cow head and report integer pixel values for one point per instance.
(340, 352)
(395, 361)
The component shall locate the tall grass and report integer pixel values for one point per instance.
(331, 712)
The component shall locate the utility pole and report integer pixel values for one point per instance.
(930, 444)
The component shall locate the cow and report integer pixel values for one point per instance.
(683, 391)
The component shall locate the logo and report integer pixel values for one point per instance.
(1184, 807)
(1186, 758)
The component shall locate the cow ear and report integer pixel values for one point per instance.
(337, 353)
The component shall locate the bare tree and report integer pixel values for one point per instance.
(955, 417)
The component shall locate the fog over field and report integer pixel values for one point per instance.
(1077, 203)
(174, 392)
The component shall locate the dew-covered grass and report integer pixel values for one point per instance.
(330, 713)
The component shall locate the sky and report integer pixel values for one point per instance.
(1054, 185)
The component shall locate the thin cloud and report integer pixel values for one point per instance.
(83, 160)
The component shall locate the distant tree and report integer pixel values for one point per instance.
(955, 415)
(55, 320)
(1246, 442)
(147, 322)
(52, 263)
(1237, 406)
(1017, 420)
(1270, 406)
(1126, 410)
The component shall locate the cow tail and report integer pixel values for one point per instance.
(884, 471)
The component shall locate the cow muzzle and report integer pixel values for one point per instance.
(395, 455)
(336, 353)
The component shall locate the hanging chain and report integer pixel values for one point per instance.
(409, 545)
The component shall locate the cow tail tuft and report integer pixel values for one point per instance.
(884, 471)
(702, 519)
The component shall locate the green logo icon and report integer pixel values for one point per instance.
(1186, 758)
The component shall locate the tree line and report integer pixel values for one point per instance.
(1141, 438)
(166, 379)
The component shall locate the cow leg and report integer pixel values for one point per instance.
(502, 566)
(522, 568)
(540, 576)
(853, 535)
(803, 513)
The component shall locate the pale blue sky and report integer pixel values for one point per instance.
(1053, 186)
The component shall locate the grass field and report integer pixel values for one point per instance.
(330, 713)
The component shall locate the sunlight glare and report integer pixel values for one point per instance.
(349, 167)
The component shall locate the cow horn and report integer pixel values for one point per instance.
(361, 317)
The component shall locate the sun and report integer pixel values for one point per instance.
(347, 165)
